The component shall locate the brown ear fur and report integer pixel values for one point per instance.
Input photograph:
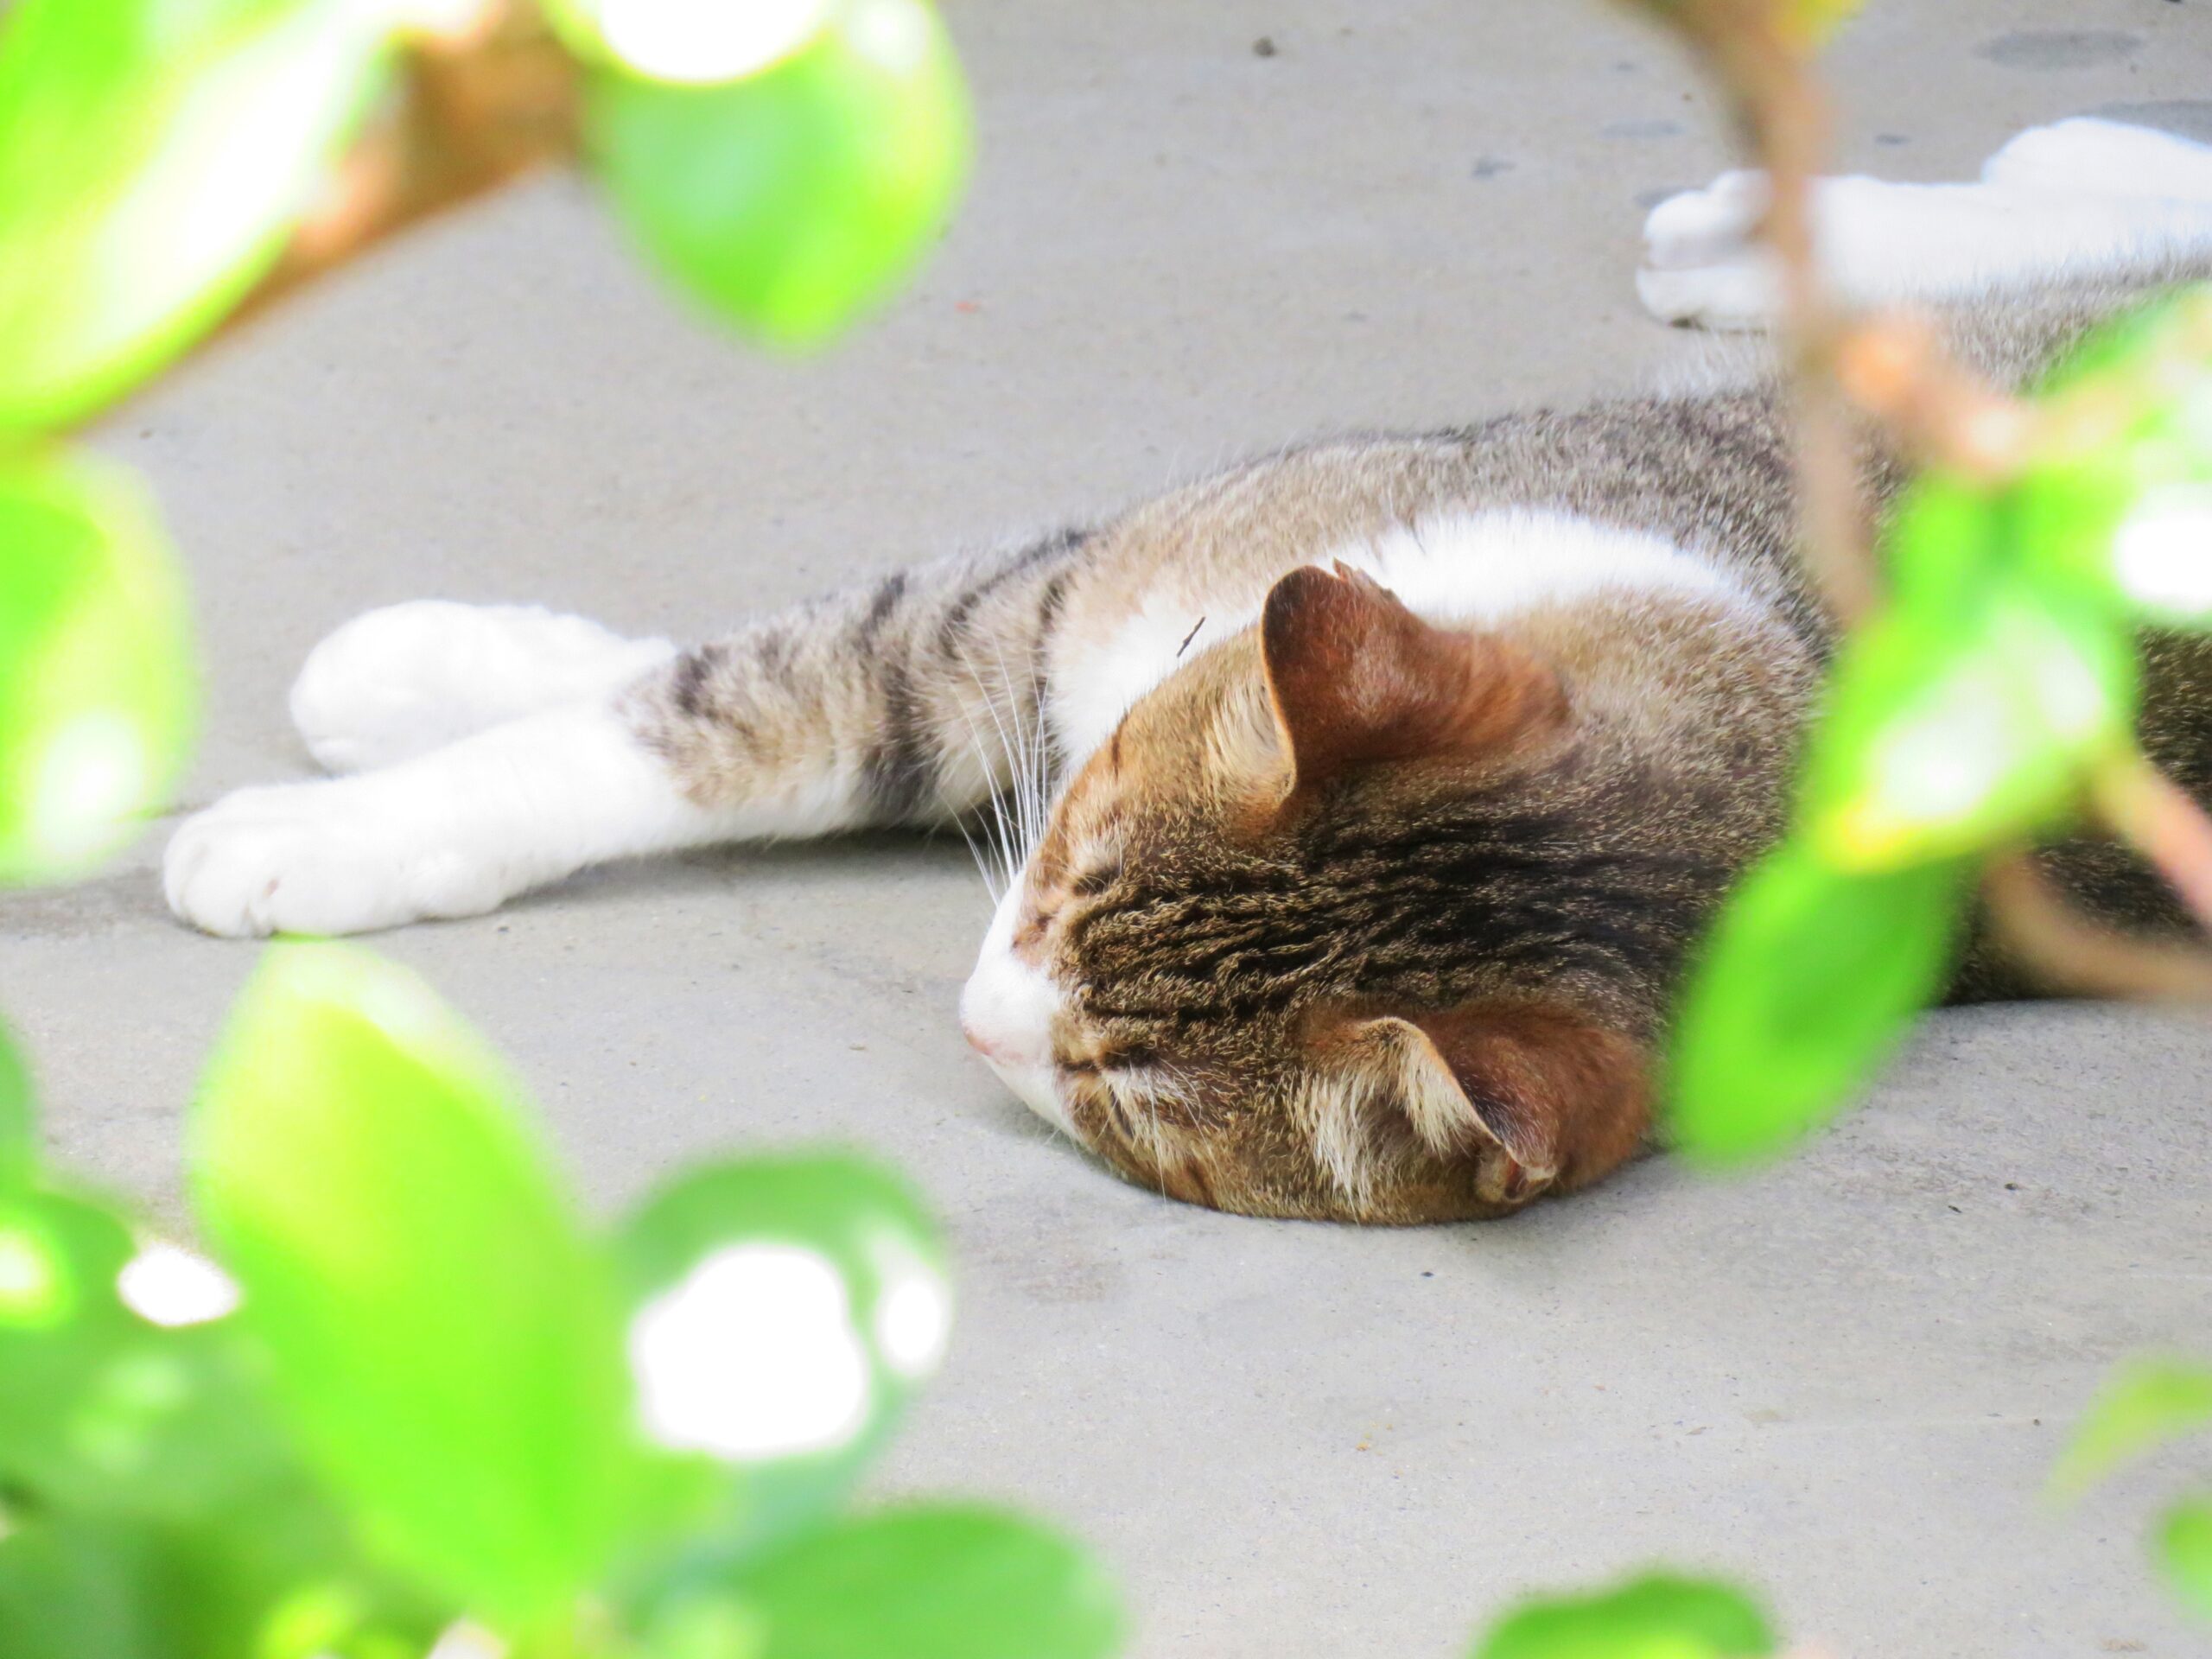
(1552, 1100)
(1357, 678)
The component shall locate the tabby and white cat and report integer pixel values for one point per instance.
(1377, 787)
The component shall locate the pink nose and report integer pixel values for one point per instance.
(983, 1043)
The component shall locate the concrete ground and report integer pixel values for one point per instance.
(1843, 1381)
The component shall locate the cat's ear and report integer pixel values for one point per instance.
(1535, 1096)
(1357, 679)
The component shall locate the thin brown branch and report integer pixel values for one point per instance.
(2153, 815)
(470, 117)
(2063, 950)
(1896, 369)
(1785, 112)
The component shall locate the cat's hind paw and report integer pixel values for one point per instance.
(399, 682)
(320, 858)
(2088, 156)
(1703, 261)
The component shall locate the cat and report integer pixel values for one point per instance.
(1363, 801)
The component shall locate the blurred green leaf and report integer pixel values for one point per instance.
(18, 1123)
(933, 1582)
(1962, 720)
(2139, 498)
(95, 689)
(2145, 1403)
(712, 1625)
(1659, 1617)
(441, 1329)
(1808, 979)
(783, 1311)
(248, 1585)
(59, 1323)
(682, 42)
(153, 155)
(102, 1410)
(794, 200)
(2185, 1552)
(2161, 551)
(76, 1589)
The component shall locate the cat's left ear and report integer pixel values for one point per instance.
(1537, 1097)
(1357, 679)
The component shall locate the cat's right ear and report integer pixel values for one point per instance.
(1357, 679)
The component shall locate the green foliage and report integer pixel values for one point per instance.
(2184, 1549)
(1660, 1617)
(2146, 1403)
(154, 1505)
(95, 666)
(1768, 1048)
(18, 1136)
(794, 199)
(834, 1265)
(441, 1396)
(152, 156)
(1964, 721)
(936, 1582)
(439, 1327)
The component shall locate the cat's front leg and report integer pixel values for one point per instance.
(909, 702)
(456, 832)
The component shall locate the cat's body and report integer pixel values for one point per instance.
(1367, 797)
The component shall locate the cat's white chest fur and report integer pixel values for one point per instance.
(1462, 568)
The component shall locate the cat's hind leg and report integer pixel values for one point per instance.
(1880, 243)
(405, 679)
(2090, 156)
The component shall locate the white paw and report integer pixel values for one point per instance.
(2088, 156)
(347, 857)
(399, 682)
(1703, 261)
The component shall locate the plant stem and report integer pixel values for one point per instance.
(2045, 934)
(469, 117)
(472, 117)
(2153, 815)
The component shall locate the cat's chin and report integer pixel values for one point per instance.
(1032, 1086)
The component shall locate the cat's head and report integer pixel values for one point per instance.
(1344, 922)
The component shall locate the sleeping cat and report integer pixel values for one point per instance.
(1366, 798)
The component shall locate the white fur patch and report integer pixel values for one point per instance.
(451, 833)
(1465, 569)
(1006, 1013)
(399, 682)
(2085, 155)
(2074, 199)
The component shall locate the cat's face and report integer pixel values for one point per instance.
(1318, 933)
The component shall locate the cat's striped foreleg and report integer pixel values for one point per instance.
(898, 704)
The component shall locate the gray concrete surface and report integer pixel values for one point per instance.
(1843, 1380)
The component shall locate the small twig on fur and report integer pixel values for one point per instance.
(2048, 937)
(1896, 369)
(2149, 811)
